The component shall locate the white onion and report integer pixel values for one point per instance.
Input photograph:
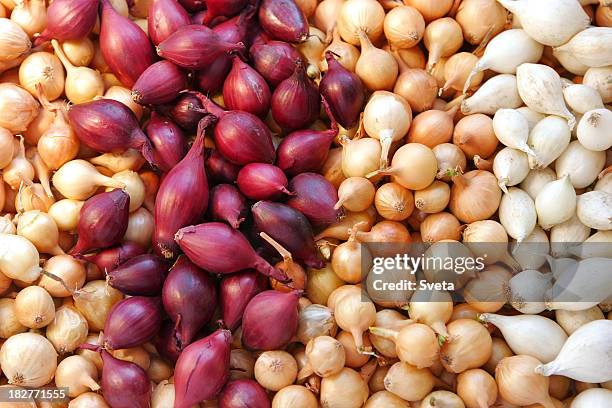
(555, 203)
(595, 129)
(536, 179)
(510, 166)
(591, 47)
(566, 235)
(594, 209)
(581, 164)
(593, 398)
(527, 291)
(517, 213)
(548, 139)
(512, 129)
(582, 98)
(499, 92)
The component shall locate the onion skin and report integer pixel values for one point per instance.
(103, 221)
(195, 47)
(109, 259)
(186, 111)
(295, 102)
(202, 369)
(246, 90)
(274, 60)
(289, 228)
(270, 320)
(261, 181)
(305, 150)
(166, 343)
(235, 292)
(184, 187)
(142, 275)
(193, 5)
(315, 197)
(222, 8)
(241, 137)
(283, 20)
(108, 126)
(159, 83)
(218, 248)
(243, 393)
(343, 90)
(219, 169)
(132, 322)
(124, 45)
(189, 297)
(164, 18)
(124, 384)
(69, 20)
(227, 204)
(168, 140)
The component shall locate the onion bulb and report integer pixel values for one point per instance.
(14, 41)
(355, 313)
(34, 307)
(19, 170)
(325, 356)
(477, 388)
(519, 384)
(45, 69)
(443, 37)
(517, 213)
(80, 52)
(327, 13)
(79, 180)
(421, 381)
(78, 374)
(346, 54)
(432, 127)
(498, 92)
(345, 388)
(379, 76)
(431, 10)
(580, 164)
(510, 166)
(355, 194)
(488, 291)
(457, 73)
(416, 344)
(451, 161)
(19, 258)
(593, 129)
(94, 301)
(7, 147)
(28, 360)
(361, 15)
(404, 27)
(598, 78)
(433, 198)
(83, 84)
(474, 135)
(394, 202)
(71, 272)
(66, 213)
(40, 228)
(386, 117)
(475, 196)
(295, 395)
(9, 325)
(417, 86)
(433, 308)
(360, 156)
(414, 166)
(480, 20)
(351, 260)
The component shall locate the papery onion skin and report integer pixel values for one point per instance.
(132, 322)
(261, 181)
(290, 228)
(305, 150)
(185, 183)
(283, 20)
(246, 90)
(235, 292)
(295, 102)
(103, 221)
(219, 169)
(270, 320)
(274, 60)
(125, 46)
(189, 297)
(202, 369)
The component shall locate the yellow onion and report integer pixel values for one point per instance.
(80, 52)
(82, 83)
(14, 41)
(345, 388)
(346, 54)
(17, 108)
(361, 15)
(475, 136)
(440, 226)
(404, 27)
(468, 345)
(519, 384)
(394, 202)
(443, 37)
(433, 198)
(480, 19)
(45, 69)
(94, 301)
(31, 15)
(475, 196)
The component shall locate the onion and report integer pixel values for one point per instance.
(591, 127)
(394, 202)
(597, 78)
(414, 166)
(78, 374)
(275, 370)
(468, 346)
(346, 53)
(488, 291)
(19, 258)
(140, 314)
(451, 160)
(433, 198)
(421, 381)
(387, 118)
(315, 320)
(94, 301)
(355, 194)
(126, 376)
(14, 41)
(10, 324)
(360, 15)
(68, 330)
(433, 308)
(28, 359)
(360, 156)
(443, 37)
(429, 10)
(418, 87)
(582, 98)
(416, 344)
(475, 196)
(499, 92)
(432, 128)
(18, 108)
(519, 384)
(355, 314)
(343, 90)
(404, 27)
(480, 20)
(320, 283)
(477, 388)
(294, 396)
(43, 68)
(243, 392)
(34, 307)
(581, 164)
(345, 388)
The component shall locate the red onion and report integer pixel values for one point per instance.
(69, 20)
(164, 18)
(290, 228)
(343, 91)
(246, 90)
(218, 248)
(195, 47)
(198, 17)
(159, 83)
(274, 60)
(261, 181)
(125, 47)
(235, 292)
(185, 111)
(314, 197)
(168, 141)
(124, 384)
(189, 298)
(109, 259)
(193, 5)
(219, 169)
(109, 126)
(306, 150)
(103, 221)
(142, 275)
(283, 20)
(132, 322)
(182, 197)
(166, 344)
(243, 393)
(234, 30)
(222, 8)
(227, 204)
(241, 137)
(295, 101)
(270, 320)
(202, 369)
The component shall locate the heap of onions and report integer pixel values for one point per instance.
(244, 203)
